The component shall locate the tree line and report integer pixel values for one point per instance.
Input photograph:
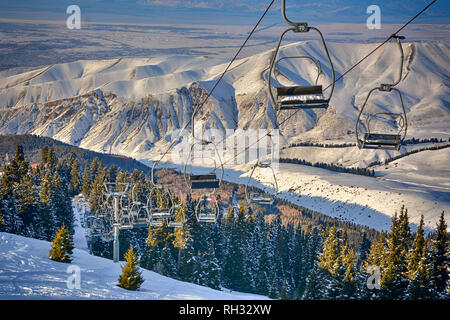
(349, 144)
(425, 140)
(322, 145)
(386, 161)
(333, 167)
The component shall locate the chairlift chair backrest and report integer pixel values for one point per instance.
(298, 97)
(207, 209)
(209, 180)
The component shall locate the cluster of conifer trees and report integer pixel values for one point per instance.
(35, 202)
(398, 265)
(244, 251)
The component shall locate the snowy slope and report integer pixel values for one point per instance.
(27, 273)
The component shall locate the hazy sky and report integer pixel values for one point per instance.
(231, 12)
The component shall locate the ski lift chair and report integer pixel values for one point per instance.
(207, 209)
(372, 139)
(298, 97)
(259, 197)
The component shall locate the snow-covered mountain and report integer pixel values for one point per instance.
(128, 105)
(132, 107)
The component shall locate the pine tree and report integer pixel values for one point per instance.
(419, 286)
(338, 264)
(404, 237)
(375, 260)
(167, 265)
(234, 267)
(416, 252)
(149, 257)
(47, 220)
(112, 173)
(198, 276)
(11, 219)
(86, 184)
(179, 234)
(131, 277)
(299, 265)
(61, 203)
(28, 204)
(95, 168)
(364, 249)
(315, 286)
(187, 261)
(44, 156)
(16, 168)
(279, 239)
(347, 273)
(377, 252)
(440, 259)
(19, 156)
(212, 269)
(157, 239)
(96, 193)
(265, 272)
(257, 234)
(62, 246)
(51, 159)
(393, 280)
(329, 257)
(75, 181)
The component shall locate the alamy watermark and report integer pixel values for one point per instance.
(373, 281)
(374, 20)
(74, 20)
(74, 280)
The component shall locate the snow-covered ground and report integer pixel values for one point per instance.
(26, 272)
